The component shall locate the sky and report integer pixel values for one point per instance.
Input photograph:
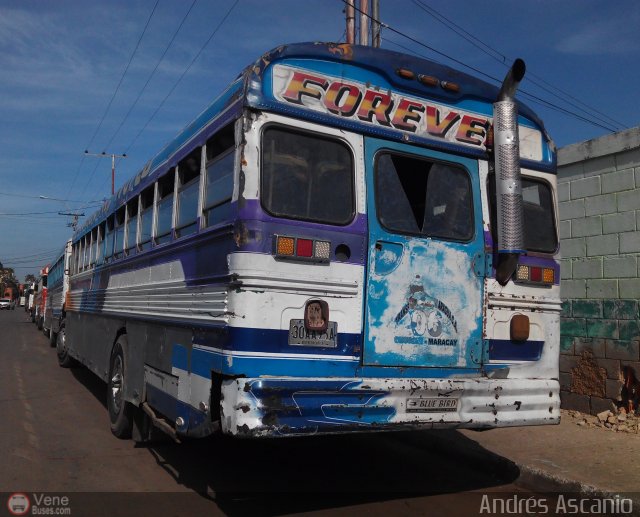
(125, 76)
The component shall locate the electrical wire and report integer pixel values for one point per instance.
(135, 102)
(504, 60)
(546, 103)
(113, 97)
(162, 103)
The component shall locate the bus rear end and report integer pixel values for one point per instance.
(369, 287)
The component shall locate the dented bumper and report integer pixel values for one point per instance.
(289, 406)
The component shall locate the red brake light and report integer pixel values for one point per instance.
(304, 248)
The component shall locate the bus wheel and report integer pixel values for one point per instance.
(64, 359)
(39, 323)
(52, 337)
(120, 411)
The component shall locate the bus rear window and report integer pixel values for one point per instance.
(539, 218)
(417, 196)
(308, 177)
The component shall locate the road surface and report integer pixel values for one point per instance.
(55, 440)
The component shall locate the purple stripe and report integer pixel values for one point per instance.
(259, 228)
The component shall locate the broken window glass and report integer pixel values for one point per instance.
(417, 196)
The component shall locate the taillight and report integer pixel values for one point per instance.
(299, 248)
(535, 275)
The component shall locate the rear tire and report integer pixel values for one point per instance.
(64, 359)
(120, 411)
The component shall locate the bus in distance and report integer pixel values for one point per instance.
(347, 239)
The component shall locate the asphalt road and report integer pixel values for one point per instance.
(55, 439)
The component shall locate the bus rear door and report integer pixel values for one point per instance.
(426, 259)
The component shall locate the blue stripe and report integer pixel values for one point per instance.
(172, 408)
(203, 362)
(505, 349)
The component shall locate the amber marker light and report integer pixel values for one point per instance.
(428, 80)
(405, 73)
(548, 276)
(285, 246)
(449, 86)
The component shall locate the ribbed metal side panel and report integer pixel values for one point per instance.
(173, 300)
(508, 183)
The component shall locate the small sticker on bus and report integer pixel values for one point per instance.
(432, 405)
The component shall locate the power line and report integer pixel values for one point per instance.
(39, 253)
(122, 77)
(531, 96)
(151, 75)
(73, 183)
(224, 19)
(47, 212)
(504, 60)
(548, 104)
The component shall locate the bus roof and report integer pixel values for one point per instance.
(363, 89)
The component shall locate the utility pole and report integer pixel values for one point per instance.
(113, 165)
(364, 22)
(351, 23)
(375, 23)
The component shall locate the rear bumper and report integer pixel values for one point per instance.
(289, 406)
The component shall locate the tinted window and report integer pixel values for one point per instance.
(421, 197)
(219, 180)
(188, 194)
(539, 217)
(146, 218)
(305, 176)
(118, 245)
(132, 224)
(165, 208)
(108, 246)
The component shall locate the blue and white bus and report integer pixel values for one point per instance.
(347, 239)
(57, 288)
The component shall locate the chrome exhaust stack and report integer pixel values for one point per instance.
(507, 175)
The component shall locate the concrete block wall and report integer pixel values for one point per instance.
(599, 212)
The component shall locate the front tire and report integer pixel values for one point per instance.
(52, 337)
(120, 411)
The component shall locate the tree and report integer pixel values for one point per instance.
(29, 278)
(8, 279)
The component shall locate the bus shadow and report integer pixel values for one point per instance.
(292, 475)
(96, 386)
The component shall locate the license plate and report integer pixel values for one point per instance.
(432, 405)
(300, 336)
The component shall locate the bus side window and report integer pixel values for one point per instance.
(108, 243)
(85, 252)
(219, 176)
(132, 225)
(94, 247)
(164, 209)
(100, 250)
(146, 218)
(188, 193)
(118, 243)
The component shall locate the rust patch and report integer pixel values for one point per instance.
(344, 50)
(587, 378)
(240, 235)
